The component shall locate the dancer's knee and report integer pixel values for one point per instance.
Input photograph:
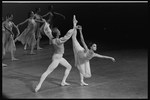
(69, 67)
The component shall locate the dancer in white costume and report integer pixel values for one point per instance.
(3, 36)
(8, 38)
(83, 55)
(57, 57)
(47, 30)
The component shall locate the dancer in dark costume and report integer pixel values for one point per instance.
(84, 54)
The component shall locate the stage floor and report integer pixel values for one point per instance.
(125, 78)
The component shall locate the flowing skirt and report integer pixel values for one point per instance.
(28, 36)
(80, 60)
(8, 42)
(47, 31)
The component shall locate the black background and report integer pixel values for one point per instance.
(116, 24)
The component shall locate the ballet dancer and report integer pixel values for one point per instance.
(3, 50)
(47, 30)
(38, 35)
(57, 58)
(84, 54)
(27, 37)
(51, 16)
(8, 41)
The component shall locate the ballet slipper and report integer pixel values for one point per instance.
(4, 65)
(14, 59)
(83, 84)
(64, 84)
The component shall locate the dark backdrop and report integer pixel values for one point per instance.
(123, 24)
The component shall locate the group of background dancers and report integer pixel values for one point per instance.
(31, 37)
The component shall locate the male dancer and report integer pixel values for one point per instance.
(57, 57)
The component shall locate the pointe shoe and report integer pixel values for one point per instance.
(65, 84)
(14, 59)
(83, 84)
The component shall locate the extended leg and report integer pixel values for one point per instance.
(67, 71)
(51, 67)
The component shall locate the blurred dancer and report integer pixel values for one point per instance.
(27, 37)
(3, 50)
(84, 54)
(38, 35)
(51, 16)
(8, 41)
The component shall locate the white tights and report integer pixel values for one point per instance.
(57, 58)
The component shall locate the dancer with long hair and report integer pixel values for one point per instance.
(84, 54)
(8, 35)
(57, 58)
(27, 37)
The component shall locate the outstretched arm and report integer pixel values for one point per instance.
(45, 15)
(67, 36)
(59, 14)
(16, 28)
(82, 40)
(22, 22)
(101, 56)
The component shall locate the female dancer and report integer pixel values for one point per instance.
(51, 15)
(3, 50)
(83, 55)
(57, 57)
(28, 35)
(8, 41)
(38, 31)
